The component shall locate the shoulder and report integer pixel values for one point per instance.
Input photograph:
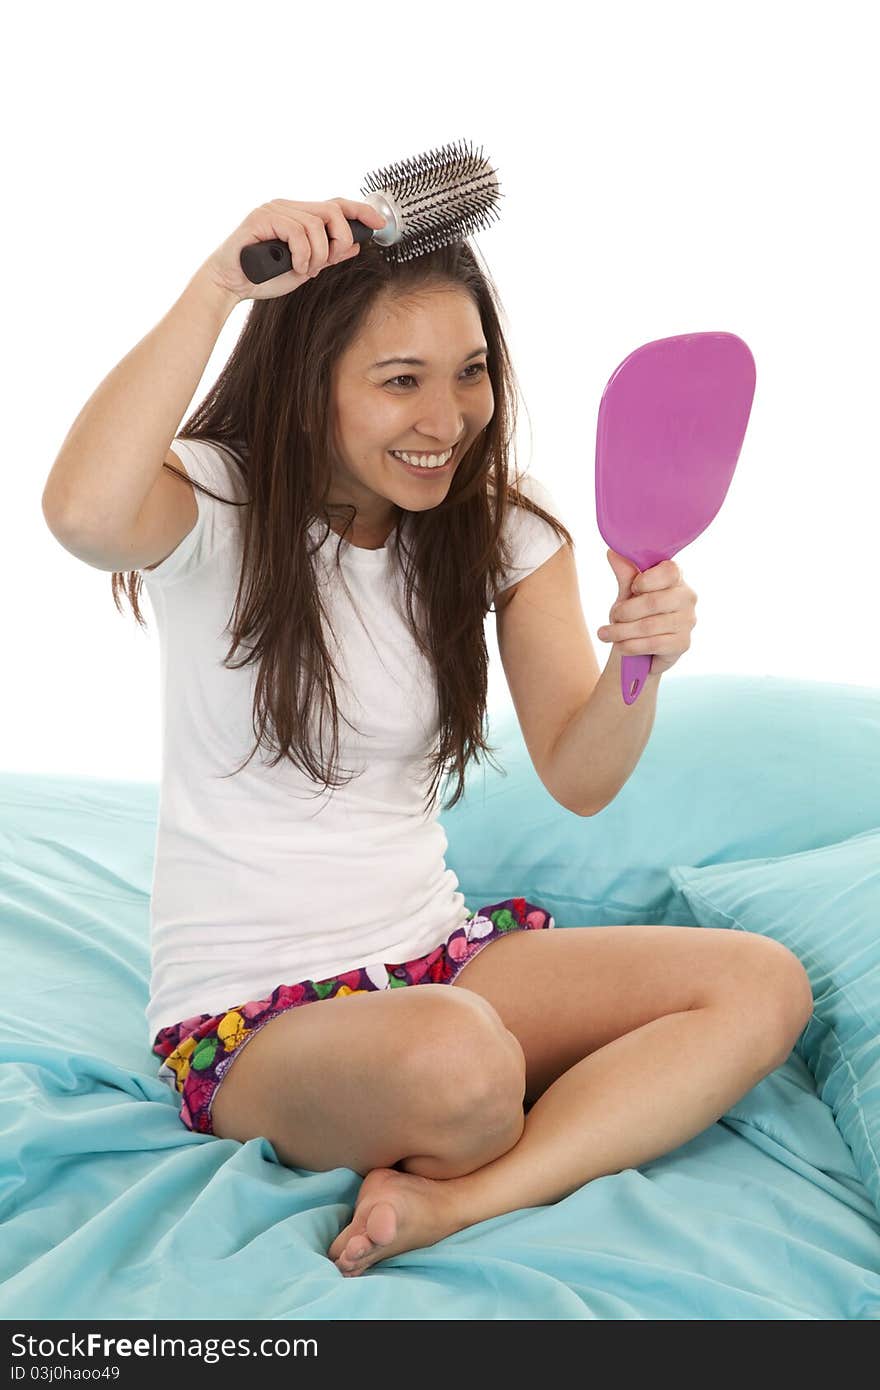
(529, 538)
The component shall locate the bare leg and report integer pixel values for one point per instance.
(640, 1096)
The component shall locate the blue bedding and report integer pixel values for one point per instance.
(111, 1209)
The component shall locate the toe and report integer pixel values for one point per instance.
(341, 1243)
(382, 1223)
(352, 1264)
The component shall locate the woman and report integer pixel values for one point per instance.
(333, 514)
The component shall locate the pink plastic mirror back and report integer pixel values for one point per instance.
(671, 425)
(672, 420)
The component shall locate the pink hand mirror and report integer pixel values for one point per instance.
(672, 420)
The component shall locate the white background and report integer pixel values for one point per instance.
(667, 168)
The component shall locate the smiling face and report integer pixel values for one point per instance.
(406, 407)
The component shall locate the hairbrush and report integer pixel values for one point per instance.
(427, 201)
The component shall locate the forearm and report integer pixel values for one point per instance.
(601, 745)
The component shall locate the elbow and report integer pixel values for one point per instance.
(53, 515)
(51, 519)
(578, 810)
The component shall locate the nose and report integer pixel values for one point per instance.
(440, 431)
(442, 423)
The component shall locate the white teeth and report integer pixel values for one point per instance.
(427, 461)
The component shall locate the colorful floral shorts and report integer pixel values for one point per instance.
(199, 1051)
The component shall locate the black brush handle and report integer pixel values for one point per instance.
(263, 260)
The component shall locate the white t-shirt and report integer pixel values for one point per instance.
(263, 878)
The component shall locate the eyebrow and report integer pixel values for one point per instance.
(417, 361)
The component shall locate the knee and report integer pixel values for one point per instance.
(476, 1071)
(787, 994)
(484, 1065)
(502, 1084)
(467, 1057)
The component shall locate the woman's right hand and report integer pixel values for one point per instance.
(318, 235)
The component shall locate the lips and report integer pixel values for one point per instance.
(415, 468)
(424, 453)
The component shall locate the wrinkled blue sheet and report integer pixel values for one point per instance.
(110, 1208)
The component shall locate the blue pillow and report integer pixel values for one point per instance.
(736, 767)
(824, 905)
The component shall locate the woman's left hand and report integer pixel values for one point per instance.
(654, 615)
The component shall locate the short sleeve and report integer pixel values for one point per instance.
(217, 523)
(532, 540)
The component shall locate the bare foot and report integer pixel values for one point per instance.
(394, 1212)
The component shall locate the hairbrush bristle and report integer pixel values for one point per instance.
(434, 199)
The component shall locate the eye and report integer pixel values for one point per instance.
(479, 367)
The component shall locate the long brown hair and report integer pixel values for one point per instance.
(270, 410)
